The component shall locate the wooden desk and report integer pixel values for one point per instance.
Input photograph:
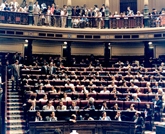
(83, 127)
(160, 129)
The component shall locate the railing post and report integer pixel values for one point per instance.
(146, 13)
(30, 16)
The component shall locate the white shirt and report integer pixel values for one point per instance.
(46, 107)
(36, 8)
(107, 91)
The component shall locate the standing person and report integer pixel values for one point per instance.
(36, 11)
(48, 16)
(15, 74)
(57, 13)
(63, 16)
(129, 12)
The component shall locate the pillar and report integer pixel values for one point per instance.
(106, 14)
(30, 16)
(68, 58)
(146, 13)
(146, 54)
(28, 51)
(106, 54)
(69, 10)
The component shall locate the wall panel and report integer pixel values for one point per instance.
(82, 49)
(43, 47)
(160, 50)
(11, 45)
(123, 49)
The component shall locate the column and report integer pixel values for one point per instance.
(106, 53)
(30, 16)
(68, 58)
(146, 54)
(146, 13)
(69, 10)
(28, 50)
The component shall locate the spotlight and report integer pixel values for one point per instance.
(65, 43)
(149, 43)
(26, 41)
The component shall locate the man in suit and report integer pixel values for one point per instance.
(45, 69)
(148, 117)
(61, 106)
(157, 107)
(73, 106)
(52, 69)
(15, 74)
(139, 122)
(90, 106)
(52, 117)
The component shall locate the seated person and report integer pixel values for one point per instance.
(84, 90)
(73, 118)
(104, 117)
(134, 79)
(138, 91)
(53, 90)
(149, 90)
(160, 91)
(65, 97)
(132, 107)
(44, 99)
(118, 116)
(32, 101)
(91, 84)
(52, 117)
(104, 106)
(68, 84)
(74, 106)
(105, 90)
(112, 85)
(61, 106)
(115, 107)
(38, 116)
(133, 85)
(48, 106)
(87, 117)
(90, 106)
(114, 91)
(91, 90)
(135, 98)
(40, 90)
(87, 97)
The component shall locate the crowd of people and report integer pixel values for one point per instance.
(53, 15)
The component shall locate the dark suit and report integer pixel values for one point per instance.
(157, 108)
(52, 70)
(139, 123)
(90, 107)
(44, 69)
(15, 71)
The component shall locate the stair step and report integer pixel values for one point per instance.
(13, 108)
(13, 93)
(16, 122)
(16, 127)
(14, 100)
(15, 112)
(14, 104)
(15, 132)
(15, 117)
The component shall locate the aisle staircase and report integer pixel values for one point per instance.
(15, 123)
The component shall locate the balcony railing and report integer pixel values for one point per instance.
(80, 22)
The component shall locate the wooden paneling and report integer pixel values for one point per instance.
(160, 50)
(48, 47)
(11, 45)
(129, 49)
(87, 49)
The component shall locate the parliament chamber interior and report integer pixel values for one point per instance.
(82, 67)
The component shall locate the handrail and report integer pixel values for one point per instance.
(6, 83)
